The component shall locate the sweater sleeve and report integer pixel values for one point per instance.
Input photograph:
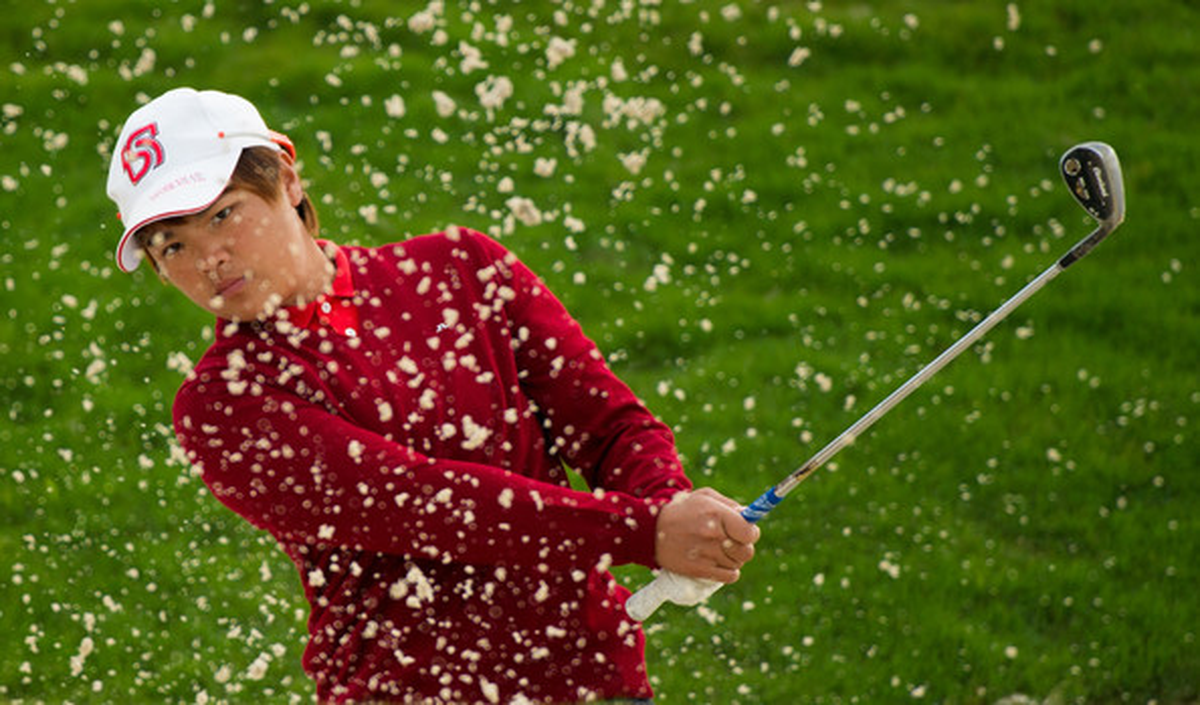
(309, 476)
(592, 418)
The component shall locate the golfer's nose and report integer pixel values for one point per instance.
(214, 255)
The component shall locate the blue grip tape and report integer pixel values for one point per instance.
(761, 506)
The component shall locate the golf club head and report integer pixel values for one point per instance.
(1093, 175)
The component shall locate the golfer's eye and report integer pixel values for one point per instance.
(222, 215)
(163, 246)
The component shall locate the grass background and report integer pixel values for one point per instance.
(831, 194)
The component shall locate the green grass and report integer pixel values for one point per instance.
(1023, 524)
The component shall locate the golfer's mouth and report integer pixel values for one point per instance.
(230, 287)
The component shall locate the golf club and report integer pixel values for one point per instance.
(1093, 176)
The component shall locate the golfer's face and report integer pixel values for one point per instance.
(238, 259)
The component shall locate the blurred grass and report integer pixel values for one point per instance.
(800, 239)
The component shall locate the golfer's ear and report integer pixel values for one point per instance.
(289, 179)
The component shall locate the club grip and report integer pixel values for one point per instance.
(762, 506)
(668, 587)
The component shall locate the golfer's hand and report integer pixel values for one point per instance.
(702, 534)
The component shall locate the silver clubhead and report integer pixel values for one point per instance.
(1093, 175)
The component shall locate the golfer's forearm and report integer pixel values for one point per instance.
(592, 418)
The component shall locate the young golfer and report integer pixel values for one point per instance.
(400, 418)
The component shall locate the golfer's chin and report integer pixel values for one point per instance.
(240, 309)
(254, 300)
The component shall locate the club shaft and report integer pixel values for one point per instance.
(775, 495)
(666, 586)
(1093, 175)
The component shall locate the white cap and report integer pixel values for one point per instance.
(175, 156)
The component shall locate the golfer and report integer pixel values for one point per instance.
(400, 419)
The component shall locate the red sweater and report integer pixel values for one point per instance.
(406, 446)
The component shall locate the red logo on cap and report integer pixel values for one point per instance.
(142, 153)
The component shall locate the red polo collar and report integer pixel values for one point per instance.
(335, 309)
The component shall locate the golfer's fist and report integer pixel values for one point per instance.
(702, 534)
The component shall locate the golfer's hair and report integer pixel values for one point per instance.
(257, 171)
